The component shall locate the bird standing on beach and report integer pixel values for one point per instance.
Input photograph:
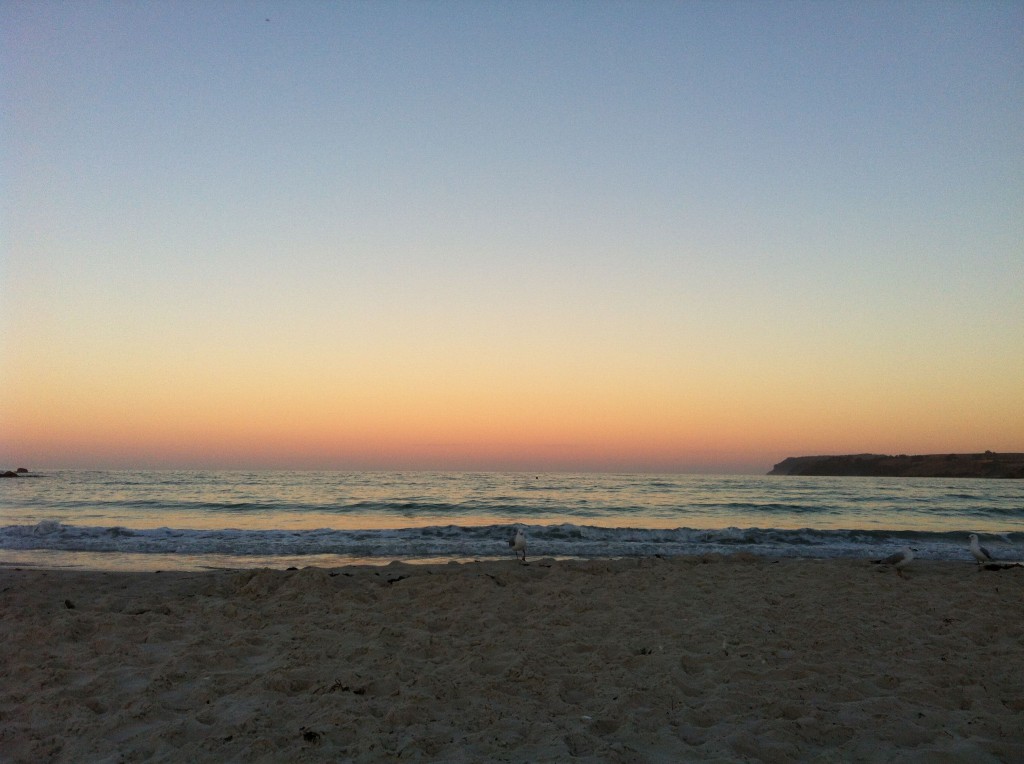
(981, 554)
(518, 543)
(899, 560)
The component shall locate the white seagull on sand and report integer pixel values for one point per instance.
(518, 543)
(900, 560)
(981, 554)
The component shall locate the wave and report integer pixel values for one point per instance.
(557, 540)
(511, 507)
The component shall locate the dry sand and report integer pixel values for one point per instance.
(728, 659)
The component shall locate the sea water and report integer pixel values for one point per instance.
(146, 520)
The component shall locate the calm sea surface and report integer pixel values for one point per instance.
(145, 520)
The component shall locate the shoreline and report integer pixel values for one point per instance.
(1006, 552)
(695, 658)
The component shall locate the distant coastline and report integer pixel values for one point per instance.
(985, 465)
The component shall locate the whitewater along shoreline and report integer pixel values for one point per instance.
(695, 658)
(49, 543)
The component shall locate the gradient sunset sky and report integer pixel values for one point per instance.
(648, 236)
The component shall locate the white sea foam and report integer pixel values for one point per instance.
(558, 540)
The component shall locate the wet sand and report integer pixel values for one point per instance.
(719, 658)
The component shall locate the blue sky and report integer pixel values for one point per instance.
(734, 199)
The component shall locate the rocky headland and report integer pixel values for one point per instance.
(986, 465)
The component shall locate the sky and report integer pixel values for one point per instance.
(644, 236)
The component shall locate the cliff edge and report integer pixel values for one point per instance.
(986, 465)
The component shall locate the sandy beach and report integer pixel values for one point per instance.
(721, 658)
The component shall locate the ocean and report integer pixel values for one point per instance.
(191, 520)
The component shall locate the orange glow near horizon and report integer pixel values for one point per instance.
(570, 417)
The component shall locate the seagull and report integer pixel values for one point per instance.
(518, 544)
(900, 560)
(981, 554)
